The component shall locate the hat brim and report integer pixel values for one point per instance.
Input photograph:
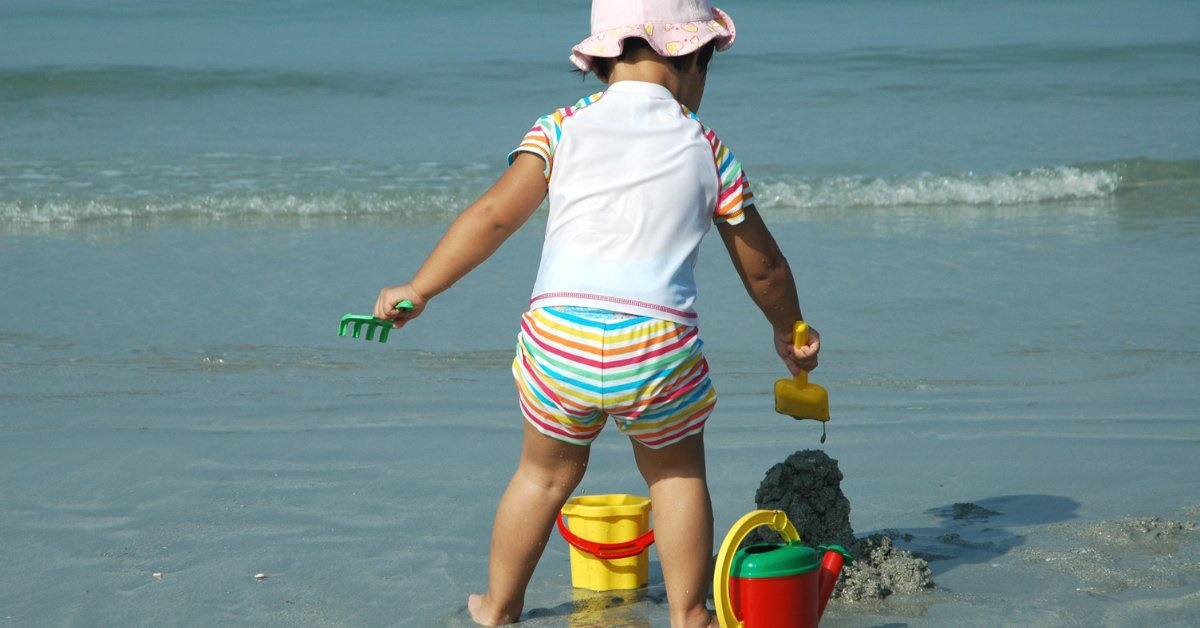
(668, 40)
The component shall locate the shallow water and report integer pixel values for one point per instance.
(992, 212)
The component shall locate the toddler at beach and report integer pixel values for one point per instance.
(634, 181)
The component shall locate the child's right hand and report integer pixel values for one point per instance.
(385, 305)
(796, 358)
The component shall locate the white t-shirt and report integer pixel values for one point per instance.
(635, 182)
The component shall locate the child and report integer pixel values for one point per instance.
(634, 181)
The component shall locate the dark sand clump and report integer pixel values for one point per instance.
(807, 486)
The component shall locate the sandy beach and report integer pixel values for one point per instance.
(246, 470)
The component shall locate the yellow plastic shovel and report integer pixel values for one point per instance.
(796, 397)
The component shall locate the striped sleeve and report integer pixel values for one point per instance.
(543, 136)
(734, 194)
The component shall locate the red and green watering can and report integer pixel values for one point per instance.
(759, 586)
(773, 585)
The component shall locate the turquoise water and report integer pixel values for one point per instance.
(136, 103)
(993, 210)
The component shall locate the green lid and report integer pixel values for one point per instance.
(771, 560)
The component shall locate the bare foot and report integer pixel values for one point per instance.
(483, 613)
(702, 619)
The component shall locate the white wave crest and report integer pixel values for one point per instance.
(49, 197)
(1035, 186)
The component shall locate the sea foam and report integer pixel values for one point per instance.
(238, 188)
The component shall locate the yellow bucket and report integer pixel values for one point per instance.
(610, 537)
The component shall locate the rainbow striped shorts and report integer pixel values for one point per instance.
(575, 367)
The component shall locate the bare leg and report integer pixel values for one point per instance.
(548, 473)
(683, 525)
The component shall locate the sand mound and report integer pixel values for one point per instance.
(807, 486)
(1149, 534)
(1109, 557)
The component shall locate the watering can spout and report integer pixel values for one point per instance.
(831, 567)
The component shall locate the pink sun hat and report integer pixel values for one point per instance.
(673, 28)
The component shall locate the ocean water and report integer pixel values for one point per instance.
(993, 210)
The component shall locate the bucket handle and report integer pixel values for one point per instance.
(606, 551)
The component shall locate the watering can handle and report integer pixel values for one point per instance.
(606, 551)
(776, 520)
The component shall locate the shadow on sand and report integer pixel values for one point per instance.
(978, 531)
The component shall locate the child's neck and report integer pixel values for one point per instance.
(646, 70)
(654, 69)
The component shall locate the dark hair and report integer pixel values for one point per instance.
(602, 66)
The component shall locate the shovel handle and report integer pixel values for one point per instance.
(800, 334)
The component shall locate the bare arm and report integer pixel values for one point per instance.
(768, 280)
(472, 238)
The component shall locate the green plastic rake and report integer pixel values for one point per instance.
(356, 322)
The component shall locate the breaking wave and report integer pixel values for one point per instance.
(240, 188)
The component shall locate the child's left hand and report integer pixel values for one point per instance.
(385, 305)
(796, 358)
